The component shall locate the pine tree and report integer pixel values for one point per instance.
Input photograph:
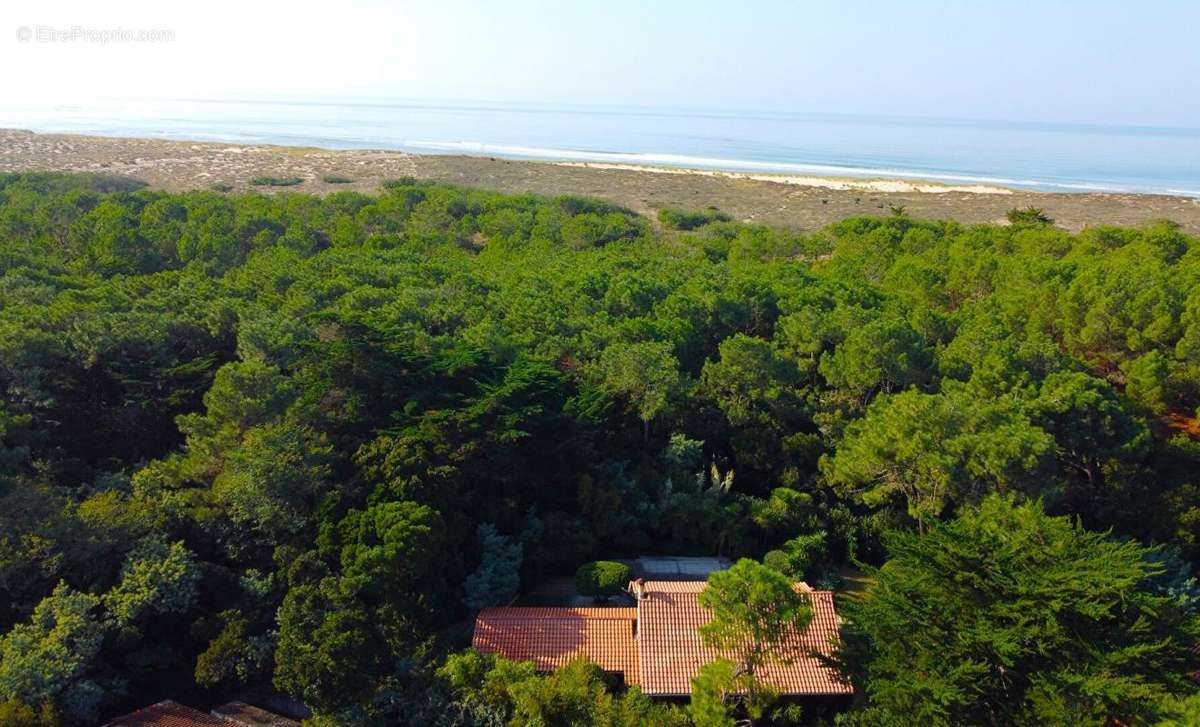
(1009, 616)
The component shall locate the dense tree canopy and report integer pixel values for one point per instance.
(290, 442)
(1008, 616)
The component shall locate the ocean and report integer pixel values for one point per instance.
(1043, 156)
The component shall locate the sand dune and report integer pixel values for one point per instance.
(793, 201)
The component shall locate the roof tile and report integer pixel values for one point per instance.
(552, 637)
(670, 652)
(168, 714)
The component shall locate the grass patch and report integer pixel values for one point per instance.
(336, 179)
(276, 181)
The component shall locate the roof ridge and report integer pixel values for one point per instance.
(615, 614)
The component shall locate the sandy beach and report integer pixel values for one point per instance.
(799, 202)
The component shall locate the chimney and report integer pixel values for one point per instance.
(638, 588)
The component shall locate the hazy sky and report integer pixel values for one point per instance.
(1102, 61)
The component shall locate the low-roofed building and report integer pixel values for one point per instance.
(657, 644)
(247, 715)
(172, 714)
(168, 714)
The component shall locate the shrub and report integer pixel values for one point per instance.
(498, 576)
(778, 560)
(675, 219)
(221, 187)
(105, 183)
(336, 179)
(398, 183)
(798, 556)
(276, 181)
(602, 579)
(14, 713)
(1029, 216)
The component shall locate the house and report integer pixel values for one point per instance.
(172, 714)
(656, 645)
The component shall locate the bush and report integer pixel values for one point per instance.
(105, 183)
(496, 580)
(778, 560)
(276, 181)
(336, 179)
(602, 579)
(398, 183)
(221, 187)
(797, 557)
(674, 219)
(1029, 216)
(493, 690)
(14, 713)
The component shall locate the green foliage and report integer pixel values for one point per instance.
(754, 608)
(675, 219)
(325, 643)
(602, 579)
(234, 656)
(273, 478)
(1179, 712)
(389, 546)
(1090, 427)
(156, 578)
(1147, 382)
(715, 692)
(757, 391)
(1007, 615)
(930, 452)
(49, 658)
(496, 580)
(797, 557)
(1028, 216)
(276, 181)
(723, 696)
(335, 179)
(884, 355)
(683, 458)
(576, 695)
(324, 398)
(14, 713)
(644, 374)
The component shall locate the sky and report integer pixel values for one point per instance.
(1086, 61)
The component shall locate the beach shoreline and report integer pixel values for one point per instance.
(784, 200)
(864, 184)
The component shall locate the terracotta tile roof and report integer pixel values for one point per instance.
(670, 652)
(552, 637)
(168, 714)
(247, 715)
